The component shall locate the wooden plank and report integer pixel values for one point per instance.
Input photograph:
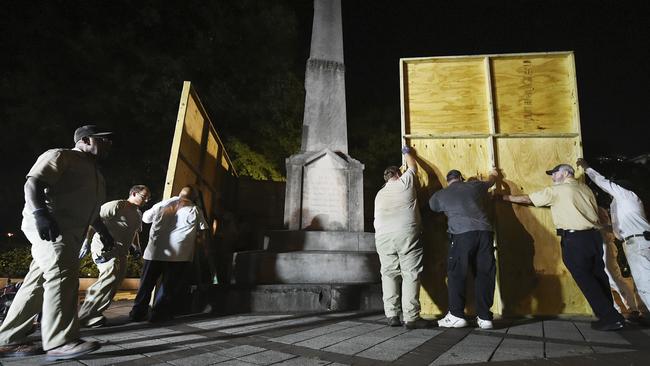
(446, 97)
(176, 141)
(532, 278)
(533, 94)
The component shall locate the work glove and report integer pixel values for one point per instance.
(45, 225)
(135, 252)
(406, 150)
(85, 249)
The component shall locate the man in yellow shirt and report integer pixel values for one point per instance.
(575, 215)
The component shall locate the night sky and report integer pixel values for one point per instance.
(46, 92)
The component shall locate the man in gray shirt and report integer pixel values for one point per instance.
(470, 245)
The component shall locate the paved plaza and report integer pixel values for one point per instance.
(352, 338)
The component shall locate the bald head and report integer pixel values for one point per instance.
(188, 192)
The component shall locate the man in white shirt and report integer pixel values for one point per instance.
(175, 224)
(397, 239)
(629, 224)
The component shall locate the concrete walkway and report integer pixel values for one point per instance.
(352, 338)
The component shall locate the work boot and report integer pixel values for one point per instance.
(452, 321)
(418, 323)
(71, 350)
(394, 321)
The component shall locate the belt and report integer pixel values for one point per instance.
(561, 232)
(633, 236)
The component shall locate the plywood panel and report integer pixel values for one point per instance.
(193, 133)
(534, 93)
(444, 97)
(435, 158)
(184, 175)
(210, 164)
(532, 277)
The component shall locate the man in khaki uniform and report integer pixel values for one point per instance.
(575, 215)
(123, 220)
(397, 239)
(63, 193)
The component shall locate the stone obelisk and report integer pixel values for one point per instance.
(324, 184)
(323, 260)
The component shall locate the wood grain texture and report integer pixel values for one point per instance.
(446, 96)
(534, 93)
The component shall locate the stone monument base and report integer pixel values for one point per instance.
(308, 271)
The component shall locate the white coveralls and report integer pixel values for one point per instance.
(75, 192)
(628, 223)
(123, 220)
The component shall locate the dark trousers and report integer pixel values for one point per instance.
(172, 274)
(475, 250)
(582, 253)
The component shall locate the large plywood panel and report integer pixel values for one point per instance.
(209, 171)
(193, 133)
(445, 96)
(532, 277)
(534, 93)
(435, 158)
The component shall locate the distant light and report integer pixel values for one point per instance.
(9, 235)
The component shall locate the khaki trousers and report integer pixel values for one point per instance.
(50, 286)
(400, 254)
(100, 295)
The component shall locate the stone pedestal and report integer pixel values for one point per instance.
(324, 192)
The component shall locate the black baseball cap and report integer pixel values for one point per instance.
(89, 131)
(561, 167)
(454, 174)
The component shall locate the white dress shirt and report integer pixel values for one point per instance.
(626, 209)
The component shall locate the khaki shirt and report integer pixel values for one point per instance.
(573, 205)
(123, 220)
(76, 189)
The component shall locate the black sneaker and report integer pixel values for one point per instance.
(394, 321)
(418, 323)
(608, 326)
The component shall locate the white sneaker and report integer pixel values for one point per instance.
(452, 321)
(484, 324)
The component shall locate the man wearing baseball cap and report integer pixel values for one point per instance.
(63, 194)
(575, 215)
(471, 244)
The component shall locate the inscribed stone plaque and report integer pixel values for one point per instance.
(324, 196)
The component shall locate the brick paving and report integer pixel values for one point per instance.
(352, 338)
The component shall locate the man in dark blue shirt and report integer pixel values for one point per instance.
(470, 244)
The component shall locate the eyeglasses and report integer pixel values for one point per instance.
(144, 197)
(102, 139)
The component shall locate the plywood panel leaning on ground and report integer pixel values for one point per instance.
(446, 97)
(518, 113)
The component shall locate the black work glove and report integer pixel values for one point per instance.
(135, 252)
(45, 225)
